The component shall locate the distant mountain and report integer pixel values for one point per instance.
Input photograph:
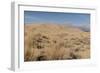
(84, 27)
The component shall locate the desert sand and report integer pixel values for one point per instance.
(55, 42)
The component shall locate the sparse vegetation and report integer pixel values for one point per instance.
(55, 42)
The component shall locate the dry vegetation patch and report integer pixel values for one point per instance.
(55, 42)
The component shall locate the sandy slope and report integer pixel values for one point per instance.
(55, 42)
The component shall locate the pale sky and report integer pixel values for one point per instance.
(56, 17)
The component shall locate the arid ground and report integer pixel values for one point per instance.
(55, 42)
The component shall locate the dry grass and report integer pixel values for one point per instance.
(55, 42)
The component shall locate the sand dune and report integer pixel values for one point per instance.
(55, 42)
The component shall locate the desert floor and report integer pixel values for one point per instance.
(55, 42)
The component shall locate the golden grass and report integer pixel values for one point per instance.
(55, 42)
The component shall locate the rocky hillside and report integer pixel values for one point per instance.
(55, 42)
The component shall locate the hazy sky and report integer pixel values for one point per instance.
(56, 17)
